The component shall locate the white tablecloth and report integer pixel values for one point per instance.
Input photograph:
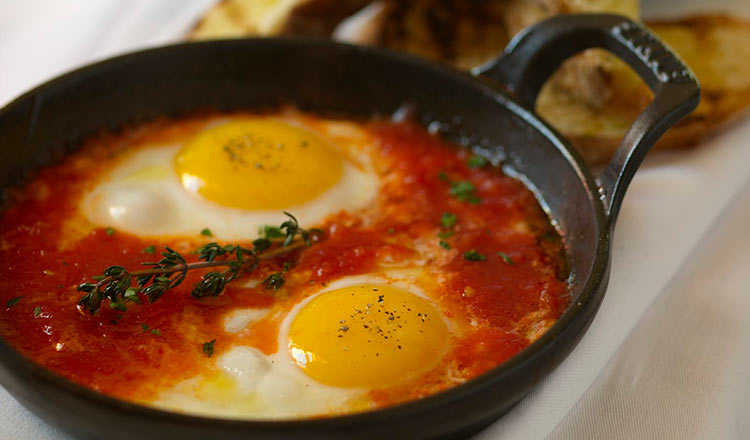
(668, 354)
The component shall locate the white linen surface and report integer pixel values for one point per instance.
(666, 353)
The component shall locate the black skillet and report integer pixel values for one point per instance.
(330, 78)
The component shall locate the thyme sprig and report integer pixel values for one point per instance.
(115, 284)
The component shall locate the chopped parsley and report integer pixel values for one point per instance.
(474, 255)
(37, 311)
(206, 232)
(156, 332)
(144, 327)
(109, 231)
(446, 234)
(13, 301)
(149, 249)
(391, 231)
(208, 348)
(477, 161)
(442, 176)
(505, 257)
(445, 245)
(464, 191)
(448, 220)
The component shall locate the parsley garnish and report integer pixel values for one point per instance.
(208, 348)
(446, 234)
(151, 249)
(206, 232)
(474, 255)
(448, 220)
(144, 327)
(444, 244)
(505, 257)
(109, 231)
(464, 191)
(442, 176)
(37, 311)
(477, 161)
(13, 301)
(156, 332)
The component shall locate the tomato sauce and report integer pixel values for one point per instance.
(500, 269)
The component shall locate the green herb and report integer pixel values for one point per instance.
(391, 231)
(114, 305)
(464, 191)
(446, 234)
(150, 249)
(156, 332)
(109, 231)
(171, 270)
(276, 281)
(445, 245)
(208, 348)
(144, 327)
(37, 311)
(13, 301)
(448, 220)
(477, 161)
(442, 176)
(206, 232)
(131, 294)
(268, 231)
(505, 257)
(474, 255)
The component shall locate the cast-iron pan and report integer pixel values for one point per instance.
(330, 78)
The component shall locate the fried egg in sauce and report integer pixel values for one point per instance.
(358, 333)
(234, 176)
(433, 266)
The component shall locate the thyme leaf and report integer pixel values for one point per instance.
(448, 220)
(477, 161)
(505, 257)
(464, 191)
(13, 301)
(474, 255)
(208, 348)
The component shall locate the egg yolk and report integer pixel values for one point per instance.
(258, 164)
(367, 336)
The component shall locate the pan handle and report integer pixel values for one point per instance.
(536, 52)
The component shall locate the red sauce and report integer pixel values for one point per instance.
(134, 354)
